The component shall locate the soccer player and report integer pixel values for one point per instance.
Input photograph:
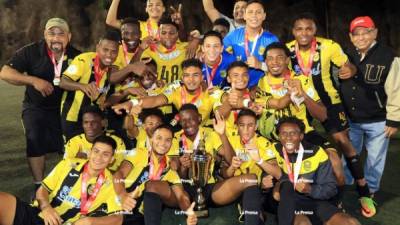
(189, 91)
(307, 184)
(168, 53)
(216, 142)
(248, 43)
(312, 56)
(216, 61)
(93, 123)
(43, 62)
(147, 177)
(371, 96)
(76, 192)
(238, 12)
(86, 82)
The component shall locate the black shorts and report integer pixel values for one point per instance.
(70, 129)
(315, 138)
(25, 214)
(317, 211)
(42, 131)
(336, 121)
(207, 192)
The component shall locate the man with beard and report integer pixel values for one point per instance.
(86, 82)
(313, 56)
(179, 93)
(93, 123)
(43, 62)
(238, 11)
(248, 43)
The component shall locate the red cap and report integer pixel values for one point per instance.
(362, 21)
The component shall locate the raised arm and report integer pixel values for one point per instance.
(111, 19)
(212, 13)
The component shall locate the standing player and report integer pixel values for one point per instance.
(216, 60)
(238, 12)
(78, 192)
(221, 26)
(371, 97)
(313, 56)
(86, 82)
(248, 43)
(43, 62)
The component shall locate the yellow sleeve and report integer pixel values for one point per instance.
(174, 150)
(308, 88)
(72, 148)
(337, 55)
(172, 177)
(113, 202)
(56, 175)
(172, 93)
(135, 156)
(119, 153)
(265, 149)
(146, 54)
(215, 141)
(77, 68)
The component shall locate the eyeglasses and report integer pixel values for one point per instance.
(356, 35)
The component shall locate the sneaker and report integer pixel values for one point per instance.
(367, 207)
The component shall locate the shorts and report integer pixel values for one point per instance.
(42, 131)
(207, 192)
(70, 129)
(317, 211)
(25, 214)
(315, 138)
(336, 121)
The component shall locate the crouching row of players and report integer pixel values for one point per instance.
(291, 178)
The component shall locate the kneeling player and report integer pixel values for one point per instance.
(76, 191)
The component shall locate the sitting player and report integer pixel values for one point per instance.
(307, 184)
(78, 192)
(147, 177)
(93, 123)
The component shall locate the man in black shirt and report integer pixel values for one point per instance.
(371, 97)
(38, 66)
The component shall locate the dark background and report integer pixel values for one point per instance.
(22, 21)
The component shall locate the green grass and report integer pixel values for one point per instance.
(15, 177)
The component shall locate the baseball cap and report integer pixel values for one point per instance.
(57, 22)
(362, 21)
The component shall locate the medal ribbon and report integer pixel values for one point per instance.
(186, 145)
(125, 51)
(306, 70)
(57, 66)
(85, 202)
(294, 175)
(98, 73)
(286, 76)
(156, 175)
(246, 43)
(210, 77)
(194, 99)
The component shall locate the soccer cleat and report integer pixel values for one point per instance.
(367, 207)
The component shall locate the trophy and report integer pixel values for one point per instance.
(199, 173)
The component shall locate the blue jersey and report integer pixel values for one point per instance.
(234, 44)
(221, 72)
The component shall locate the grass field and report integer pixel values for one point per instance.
(15, 177)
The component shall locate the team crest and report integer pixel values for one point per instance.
(307, 165)
(316, 58)
(222, 73)
(90, 189)
(72, 69)
(261, 50)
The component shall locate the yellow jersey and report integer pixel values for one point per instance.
(79, 143)
(81, 70)
(148, 27)
(177, 95)
(270, 86)
(327, 52)
(168, 63)
(64, 186)
(248, 165)
(213, 145)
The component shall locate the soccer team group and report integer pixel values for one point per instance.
(130, 117)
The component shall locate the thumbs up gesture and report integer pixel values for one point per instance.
(191, 216)
(128, 200)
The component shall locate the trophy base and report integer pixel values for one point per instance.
(201, 213)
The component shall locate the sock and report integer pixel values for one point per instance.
(252, 205)
(152, 208)
(355, 167)
(363, 191)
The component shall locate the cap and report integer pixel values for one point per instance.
(362, 21)
(57, 22)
